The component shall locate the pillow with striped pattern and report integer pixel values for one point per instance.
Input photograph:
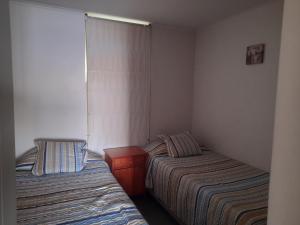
(55, 156)
(91, 156)
(27, 160)
(181, 145)
(157, 147)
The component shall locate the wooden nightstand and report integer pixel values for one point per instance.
(128, 166)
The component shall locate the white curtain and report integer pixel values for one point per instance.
(118, 64)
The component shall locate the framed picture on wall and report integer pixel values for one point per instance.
(255, 54)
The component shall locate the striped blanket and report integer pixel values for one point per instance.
(210, 189)
(91, 196)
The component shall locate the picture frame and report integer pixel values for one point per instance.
(255, 54)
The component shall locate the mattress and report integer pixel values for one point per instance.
(209, 189)
(91, 196)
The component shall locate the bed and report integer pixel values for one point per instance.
(91, 196)
(209, 189)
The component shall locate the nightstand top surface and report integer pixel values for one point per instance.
(121, 152)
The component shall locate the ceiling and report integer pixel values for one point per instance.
(190, 13)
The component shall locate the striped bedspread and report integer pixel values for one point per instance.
(210, 189)
(91, 196)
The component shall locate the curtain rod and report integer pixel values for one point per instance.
(117, 18)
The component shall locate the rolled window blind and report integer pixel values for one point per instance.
(118, 67)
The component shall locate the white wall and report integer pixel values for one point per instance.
(48, 46)
(234, 103)
(172, 67)
(42, 53)
(284, 195)
(7, 150)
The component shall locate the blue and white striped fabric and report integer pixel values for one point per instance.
(56, 156)
(91, 196)
(27, 160)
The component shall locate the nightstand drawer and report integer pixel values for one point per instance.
(128, 162)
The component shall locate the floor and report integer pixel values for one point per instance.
(152, 211)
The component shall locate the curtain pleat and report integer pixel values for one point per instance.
(118, 67)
